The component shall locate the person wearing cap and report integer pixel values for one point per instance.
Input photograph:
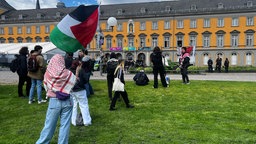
(37, 77)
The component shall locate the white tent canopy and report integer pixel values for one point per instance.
(13, 48)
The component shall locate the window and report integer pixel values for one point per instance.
(220, 40)
(192, 23)
(206, 23)
(167, 25)
(1, 31)
(154, 41)
(109, 42)
(180, 40)
(142, 26)
(143, 10)
(234, 40)
(250, 21)
(10, 30)
(142, 42)
(234, 21)
(131, 41)
(249, 4)
(19, 30)
(154, 25)
(119, 42)
(248, 59)
(2, 40)
(29, 39)
(206, 41)
(193, 7)
(47, 39)
(28, 30)
(47, 29)
(38, 39)
(166, 42)
(37, 29)
(193, 40)
(233, 59)
(20, 40)
(119, 27)
(20, 16)
(180, 24)
(38, 15)
(119, 12)
(206, 58)
(220, 6)
(131, 28)
(167, 8)
(249, 39)
(10, 40)
(220, 22)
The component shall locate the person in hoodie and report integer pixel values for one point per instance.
(158, 67)
(23, 72)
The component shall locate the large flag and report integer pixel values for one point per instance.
(76, 29)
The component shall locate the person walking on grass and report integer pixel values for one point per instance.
(119, 72)
(57, 79)
(22, 72)
(35, 72)
(79, 95)
(158, 67)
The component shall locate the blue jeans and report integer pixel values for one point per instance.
(38, 84)
(57, 109)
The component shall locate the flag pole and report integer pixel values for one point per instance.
(98, 39)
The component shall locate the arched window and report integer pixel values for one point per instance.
(234, 59)
(248, 58)
(206, 58)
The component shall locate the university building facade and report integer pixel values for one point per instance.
(221, 27)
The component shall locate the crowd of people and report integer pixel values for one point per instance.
(66, 81)
(218, 64)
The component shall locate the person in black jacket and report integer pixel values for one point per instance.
(158, 67)
(184, 64)
(119, 72)
(141, 78)
(210, 63)
(22, 71)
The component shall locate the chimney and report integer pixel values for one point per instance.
(37, 4)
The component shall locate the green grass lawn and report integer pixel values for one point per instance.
(203, 112)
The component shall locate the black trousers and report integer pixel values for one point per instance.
(22, 80)
(110, 81)
(116, 96)
(184, 74)
(161, 71)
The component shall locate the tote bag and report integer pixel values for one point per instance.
(118, 85)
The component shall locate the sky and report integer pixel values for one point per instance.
(31, 4)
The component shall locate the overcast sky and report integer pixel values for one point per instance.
(31, 4)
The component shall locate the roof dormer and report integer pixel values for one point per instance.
(120, 11)
(20, 16)
(249, 4)
(3, 17)
(143, 10)
(220, 6)
(193, 7)
(39, 15)
(167, 8)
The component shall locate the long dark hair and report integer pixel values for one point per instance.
(156, 49)
(23, 51)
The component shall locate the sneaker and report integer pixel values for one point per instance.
(42, 101)
(188, 83)
(88, 124)
(112, 109)
(29, 102)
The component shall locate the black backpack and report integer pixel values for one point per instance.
(15, 64)
(33, 64)
(111, 67)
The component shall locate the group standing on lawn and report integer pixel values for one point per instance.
(66, 82)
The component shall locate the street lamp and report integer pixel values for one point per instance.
(111, 23)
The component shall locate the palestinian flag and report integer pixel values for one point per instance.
(76, 29)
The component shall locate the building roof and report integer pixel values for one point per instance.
(141, 10)
(5, 5)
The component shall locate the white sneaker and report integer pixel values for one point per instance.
(42, 101)
(29, 102)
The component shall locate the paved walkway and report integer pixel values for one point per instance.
(7, 77)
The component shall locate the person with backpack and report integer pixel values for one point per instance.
(22, 72)
(112, 63)
(35, 72)
(141, 78)
(158, 67)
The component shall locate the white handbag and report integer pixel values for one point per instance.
(118, 85)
